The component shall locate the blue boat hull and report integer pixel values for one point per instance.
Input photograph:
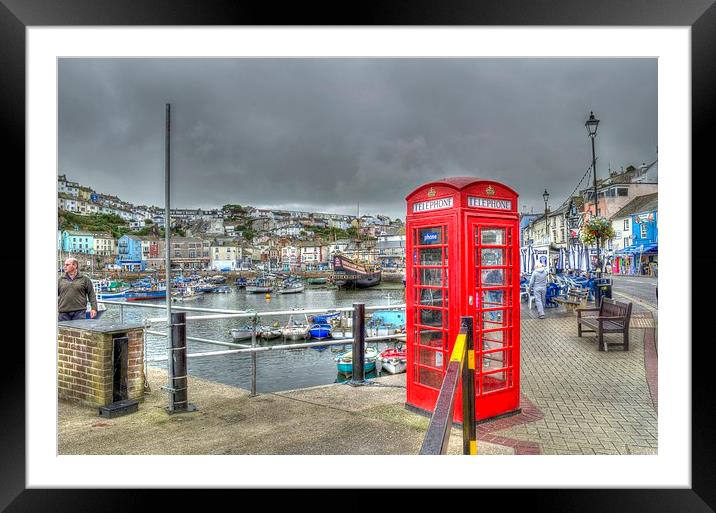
(152, 294)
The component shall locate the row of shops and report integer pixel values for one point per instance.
(636, 260)
(639, 259)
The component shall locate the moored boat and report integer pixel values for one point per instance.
(351, 274)
(317, 281)
(110, 295)
(344, 361)
(320, 330)
(186, 294)
(105, 289)
(242, 333)
(269, 332)
(292, 288)
(140, 295)
(259, 286)
(393, 360)
(295, 330)
(327, 317)
(342, 326)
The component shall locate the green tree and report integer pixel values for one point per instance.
(249, 234)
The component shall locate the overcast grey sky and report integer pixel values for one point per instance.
(325, 134)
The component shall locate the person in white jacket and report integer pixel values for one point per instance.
(538, 287)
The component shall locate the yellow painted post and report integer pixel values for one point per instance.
(469, 428)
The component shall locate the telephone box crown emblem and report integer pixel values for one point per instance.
(431, 192)
(490, 190)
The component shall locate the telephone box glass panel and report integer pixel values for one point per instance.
(493, 236)
(493, 298)
(493, 340)
(430, 281)
(493, 277)
(495, 360)
(492, 256)
(493, 314)
(495, 381)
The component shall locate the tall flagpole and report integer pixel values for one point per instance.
(167, 264)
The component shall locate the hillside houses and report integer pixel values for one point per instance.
(228, 238)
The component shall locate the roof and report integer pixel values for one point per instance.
(628, 176)
(647, 202)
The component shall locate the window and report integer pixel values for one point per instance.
(643, 230)
(626, 225)
(622, 191)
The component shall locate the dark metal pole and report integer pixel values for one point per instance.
(254, 325)
(178, 391)
(596, 202)
(358, 374)
(546, 230)
(469, 427)
(167, 264)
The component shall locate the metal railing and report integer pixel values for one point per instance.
(254, 349)
(461, 365)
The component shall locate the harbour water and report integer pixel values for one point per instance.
(276, 370)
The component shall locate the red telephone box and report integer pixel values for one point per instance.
(462, 243)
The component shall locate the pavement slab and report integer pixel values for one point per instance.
(574, 400)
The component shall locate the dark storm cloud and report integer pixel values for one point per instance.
(325, 134)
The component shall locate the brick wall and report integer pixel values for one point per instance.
(85, 368)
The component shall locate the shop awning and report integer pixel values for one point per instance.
(639, 248)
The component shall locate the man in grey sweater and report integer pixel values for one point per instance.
(538, 286)
(74, 290)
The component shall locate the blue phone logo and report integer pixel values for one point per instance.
(430, 237)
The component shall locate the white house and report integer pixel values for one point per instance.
(225, 256)
(105, 244)
(313, 254)
(290, 258)
(64, 185)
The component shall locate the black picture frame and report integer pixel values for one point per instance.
(16, 15)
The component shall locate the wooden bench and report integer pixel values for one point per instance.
(613, 317)
(575, 298)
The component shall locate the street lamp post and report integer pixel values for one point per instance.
(591, 125)
(545, 196)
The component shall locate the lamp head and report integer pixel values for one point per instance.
(592, 124)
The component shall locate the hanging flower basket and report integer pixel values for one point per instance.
(596, 229)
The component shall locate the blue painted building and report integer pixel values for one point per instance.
(641, 248)
(77, 242)
(129, 253)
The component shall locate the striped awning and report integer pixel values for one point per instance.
(639, 248)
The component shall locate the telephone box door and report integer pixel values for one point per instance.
(493, 301)
(430, 244)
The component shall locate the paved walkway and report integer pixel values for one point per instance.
(575, 400)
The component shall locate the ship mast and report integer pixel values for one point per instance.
(358, 239)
